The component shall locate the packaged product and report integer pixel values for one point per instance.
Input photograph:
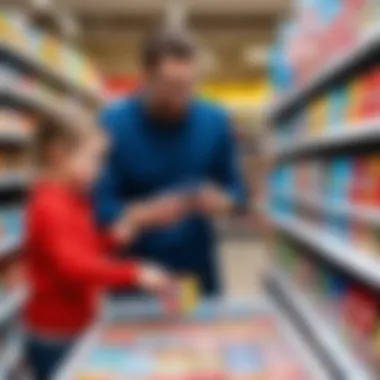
(355, 97)
(360, 188)
(338, 102)
(361, 315)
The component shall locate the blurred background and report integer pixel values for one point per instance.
(301, 81)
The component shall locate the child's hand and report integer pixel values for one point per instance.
(154, 279)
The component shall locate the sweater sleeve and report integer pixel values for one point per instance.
(227, 170)
(70, 255)
(109, 204)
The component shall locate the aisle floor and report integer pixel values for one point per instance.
(243, 262)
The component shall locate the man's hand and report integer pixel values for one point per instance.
(159, 212)
(212, 201)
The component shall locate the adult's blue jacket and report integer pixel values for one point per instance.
(149, 159)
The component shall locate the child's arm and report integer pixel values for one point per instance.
(120, 234)
(71, 257)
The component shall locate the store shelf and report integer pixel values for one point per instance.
(42, 69)
(340, 137)
(10, 304)
(353, 261)
(9, 245)
(15, 136)
(11, 358)
(31, 98)
(14, 180)
(342, 363)
(367, 46)
(366, 214)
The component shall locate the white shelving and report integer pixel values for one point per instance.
(364, 214)
(321, 332)
(10, 304)
(45, 70)
(31, 98)
(15, 135)
(12, 355)
(364, 132)
(354, 261)
(9, 245)
(15, 180)
(367, 44)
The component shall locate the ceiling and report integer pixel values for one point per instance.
(208, 7)
(232, 32)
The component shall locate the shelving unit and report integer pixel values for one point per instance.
(41, 69)
(341, 363)
(328, 133)
(10, 304)
(9, 245)
(365, 214)
(15, 136)
(359, 264)
(360, 133)
(367, 46)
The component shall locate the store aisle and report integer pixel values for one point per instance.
(243, 263)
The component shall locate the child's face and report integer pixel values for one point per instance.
(85, 161)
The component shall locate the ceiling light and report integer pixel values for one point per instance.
(41, 4)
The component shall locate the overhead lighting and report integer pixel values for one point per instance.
(175, 14)
(41, 4)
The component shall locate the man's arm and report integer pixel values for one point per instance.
(228, 168)
(227, 191)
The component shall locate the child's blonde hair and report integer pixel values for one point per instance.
(67, 130)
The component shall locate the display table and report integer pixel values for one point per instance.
(220, 341)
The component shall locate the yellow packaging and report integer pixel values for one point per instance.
(189, 294)
(375, 349)
(5, 27)
(355, 95)
(51, 51)
(318, 116)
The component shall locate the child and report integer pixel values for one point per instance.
(66, 261)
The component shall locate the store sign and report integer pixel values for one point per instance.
(118, 86)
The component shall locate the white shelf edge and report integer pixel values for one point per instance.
(45, 70)
(313, 367)
(33, 99)
(330, 70)
(356, 262)
(15, 179)
(8, 245)
(321, 332)
(11, 357)
(366, 214)
(10, 304)
(365, 131)
(15, 135)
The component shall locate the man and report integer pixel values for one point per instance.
(173, 163)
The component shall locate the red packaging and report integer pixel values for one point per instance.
(371, 101)
(359, 192)
(361, 311)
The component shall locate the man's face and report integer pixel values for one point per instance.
(170, 86)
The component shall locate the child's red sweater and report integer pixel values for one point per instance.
(66, 262)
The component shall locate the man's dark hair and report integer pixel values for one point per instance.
(163, 44)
